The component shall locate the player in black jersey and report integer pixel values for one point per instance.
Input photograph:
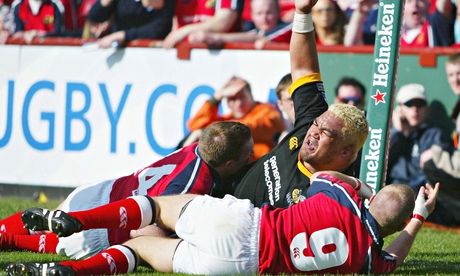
(323, 138)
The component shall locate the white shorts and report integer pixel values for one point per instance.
(220, 236)
(89, 242)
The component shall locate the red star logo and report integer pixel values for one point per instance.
(379, 97)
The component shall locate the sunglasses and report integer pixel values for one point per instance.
(416, 103)
(327, 10)
(355, 100)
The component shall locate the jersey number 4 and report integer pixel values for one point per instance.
(327, 248)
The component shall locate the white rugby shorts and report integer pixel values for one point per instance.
(89, 242)
(220, 237)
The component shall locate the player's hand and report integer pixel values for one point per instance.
(425, 202)
(304, 6)
(431, 194)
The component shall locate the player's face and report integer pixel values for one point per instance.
(323, 143)
(453, 76)
(246, 153)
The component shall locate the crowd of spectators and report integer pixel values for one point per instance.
(426, 23)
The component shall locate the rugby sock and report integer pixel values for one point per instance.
(118, 259)
(45, 243)
(13, 225)
(130, 213)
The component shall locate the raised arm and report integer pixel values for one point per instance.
(304, 56)
(401, 246)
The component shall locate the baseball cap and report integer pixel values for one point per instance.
(411, 91)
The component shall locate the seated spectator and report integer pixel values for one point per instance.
(263, 119)
(285, 104)
(37, 18)
(268, 28)
(196, 15)
(350, 91)
(444, 166)
(329, 21)
(420, 27)
(411, 135)
(362, 22)
(150, 19)
(453, 78)
(4, 31)
(287, 10)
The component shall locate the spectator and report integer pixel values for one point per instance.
(75, 14)
(362, 22)
(37, 18)
(196, 15)
(285, 104)
(411, 135)
(263, 119)
(287, 10)
(330, 233)
(4, 31)
(438, 163)
(453, 78)
(350, 91)
(268, 28)
(417, 18)
(133, 19)
(420, 28)
(329, 21)
(199, 169)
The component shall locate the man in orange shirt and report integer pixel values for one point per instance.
(263, 119)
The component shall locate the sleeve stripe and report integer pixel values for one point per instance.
(303, 80)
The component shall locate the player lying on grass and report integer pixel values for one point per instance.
(200, 168)
(330, 232)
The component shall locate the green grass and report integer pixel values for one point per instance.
(435, 251)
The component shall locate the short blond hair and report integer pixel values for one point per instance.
(356, 127)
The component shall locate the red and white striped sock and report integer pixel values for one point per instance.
(13, 225)
(45, 243)
(131, 213)
(118, 259)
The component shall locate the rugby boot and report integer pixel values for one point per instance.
(37, 269)
(59, 222)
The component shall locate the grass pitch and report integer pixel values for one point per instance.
(436, 251)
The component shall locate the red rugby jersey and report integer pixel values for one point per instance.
(330, 232)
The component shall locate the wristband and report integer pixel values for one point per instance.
(419, 218)
(302, 23)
